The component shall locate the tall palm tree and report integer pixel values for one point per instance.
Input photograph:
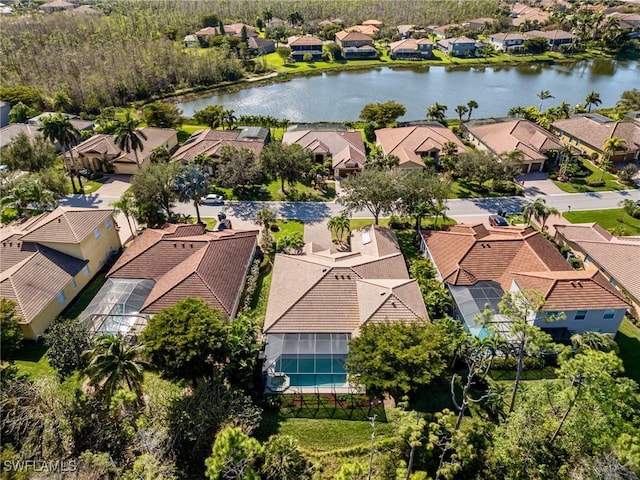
(265, 218)
(593, 98)
(472, 105)
(229, 118)
(128, 137)
(461, 110)
(339, 226)
(58, 128)
(610, 147)
(543, 95)
(113, 363)
(61, 101)
(127, 205)
(439, 209)
(192, 185)
(436, 112)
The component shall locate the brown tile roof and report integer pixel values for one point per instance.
(350, 36)
(321, 291)
(594, 131)
(618, 256)
(342, 146)
(209, 142)
(503, 37)
(234, 29)
(32, 275)
(186, 261)
(465, 254)
(65, 225)
(374, 22)
(409, 143)
(365, 29)
(522, 135)
(551, 34)
(408, 44)
(304, 40)
(572, 290)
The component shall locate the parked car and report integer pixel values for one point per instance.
(212, 199)
(497, 221)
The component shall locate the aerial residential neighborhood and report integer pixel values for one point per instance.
(320, 240)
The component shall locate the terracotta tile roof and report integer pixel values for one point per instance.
(572, 290)
(304, 40)
(234, 29)
(503, 37)
(619, 257)
(593, 131)
(551, 34)
(342, 146)
(32, 275)
(364, 29)
(65, 225)
(408, 44)
(466, 254)
(350, 36)
(209, 142)
(409, 143)
(185, 261)
(320, 291)
(374, 22)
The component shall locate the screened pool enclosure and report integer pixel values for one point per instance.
(306, 360)
(116, 307)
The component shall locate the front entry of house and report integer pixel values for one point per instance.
(535, 167)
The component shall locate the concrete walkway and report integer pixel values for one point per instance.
(317, 232)
(538, 184)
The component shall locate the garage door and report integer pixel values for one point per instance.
(536, 167)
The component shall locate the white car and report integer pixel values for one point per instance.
(212, 199)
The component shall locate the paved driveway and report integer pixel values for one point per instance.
(538, 184)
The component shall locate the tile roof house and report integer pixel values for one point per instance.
(532, 141)
(261, 46)
(480, 24)
(366, 29)
(589, 131)
(346, 149)
(303, 44)
(411, 48)
(46, 260)
(478, 264)
(555, 38)
(507, 42)
(412, 144)
(234, 29)
(458, 46)
(617, 258)
(172, 263)
(209, 142)
(32, 128)
(521, 13)
(355, 45)
(320, 299)
(101, 153)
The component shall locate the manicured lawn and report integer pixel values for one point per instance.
(628, 339)
(186, 130)
(321, 435)
(287, 227)
(463, 189)
(614, 220)
(84, 298)
(427, 223)
(31, 361)
(89, 186)
(576, 185)
(211, 222)
(298, 192)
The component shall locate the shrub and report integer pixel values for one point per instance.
(595, 183)
(627, 173)
(553, 176)
(576, 263)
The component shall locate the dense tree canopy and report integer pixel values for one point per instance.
(285, 162)
(66, 340)
(382, 114)
(372, 189)
(10, 330)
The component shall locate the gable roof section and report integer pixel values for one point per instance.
(408, 44)
(34, 275)
(66, 225)
(572, 290)
(351, 36)
(521, 135)
(594, 130)
(186, 261)
(342, 146)
(319, 291)
(209, 142)
(304, 40)
(407, 143)
(618, 256)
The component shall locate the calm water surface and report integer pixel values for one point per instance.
(340, 96)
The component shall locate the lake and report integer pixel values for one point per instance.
(340, 96)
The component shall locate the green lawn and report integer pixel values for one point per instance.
(577, 185)
(427, 223)
(321, 435)
(615, 220)
(31, 361)
(628, 339)
(272, 191)
(287, 227)
(210, 222)
(462, 189)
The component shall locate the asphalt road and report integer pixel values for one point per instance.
(314, 211)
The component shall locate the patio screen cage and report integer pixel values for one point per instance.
(308, 359)
(116, 307)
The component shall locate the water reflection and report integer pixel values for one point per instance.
(604, 66)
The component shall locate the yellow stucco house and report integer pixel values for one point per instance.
(47, 260)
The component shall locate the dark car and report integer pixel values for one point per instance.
(497, 221)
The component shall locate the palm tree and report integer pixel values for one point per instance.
(439, 209)
(265, 218)
(564, 109)
(436, 112)
(339, 226)
(543, 95)
(61, 101)
(192, 185)
(128, 137)
(229, 118)
(127, 205)
(113, 363)
(472, 104)
(593, 98)
(610, 147)
(527, 212)
(541, 211)
(58, 128)
(461, 110)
